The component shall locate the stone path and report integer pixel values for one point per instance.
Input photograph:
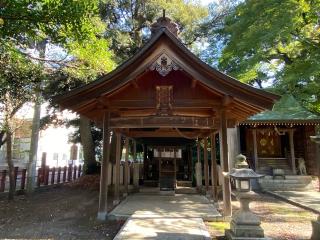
(178, 217)
(307, 199)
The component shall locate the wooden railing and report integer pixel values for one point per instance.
(45, 176)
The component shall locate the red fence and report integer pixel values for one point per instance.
(45, 176)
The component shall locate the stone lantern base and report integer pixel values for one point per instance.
(315, 229)
(245, 225)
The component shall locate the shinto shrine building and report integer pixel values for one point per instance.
(166, 98)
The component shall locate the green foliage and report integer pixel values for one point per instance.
(128, 22)
(61, 20)
(73, 25)
(19, 78)
(93, 58)
(277, 42)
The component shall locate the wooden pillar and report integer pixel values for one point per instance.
(126, 167)
(198, 151)
(214, 171)
(198, 168)
(190, 164)
(134, 151)
(225, 165)
(175, 167)
(103, 194)
(255, 149)
(292, 155)
(206, 165)
(145, 164)
(117, 170)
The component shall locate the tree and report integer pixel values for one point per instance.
(275, 43)
(128, 22)
(73, 26)
(126, 29)
(18, 79)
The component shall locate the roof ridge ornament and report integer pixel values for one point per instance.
(164, 65)
(164, 22)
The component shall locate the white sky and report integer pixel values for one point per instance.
(206, 2)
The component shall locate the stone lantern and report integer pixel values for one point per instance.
(316, 223)
(244, 223)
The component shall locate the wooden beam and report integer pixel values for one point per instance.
(193, 83)
(135, 84)
(255, 149)
(117, 170)
(165, 133)
(103, 194)
(214, 169)
(198, 152)
(206, 164)
(126, 167)
(225, 165)
(227, 101)
(197, 103)
(132, 103)
(163, 122)
(292, 155)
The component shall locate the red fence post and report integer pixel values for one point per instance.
(23, 178)
(79, 171)
(39, 177)
(69, 172)
(43, 167)
(74, 172)
(64, 173)
(15, 176)
(46, 175)
(53, 175)
(3, 180)
(59, 173)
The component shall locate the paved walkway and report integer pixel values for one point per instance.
(178, 217)
(306, 199)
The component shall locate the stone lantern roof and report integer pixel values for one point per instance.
(244, 173)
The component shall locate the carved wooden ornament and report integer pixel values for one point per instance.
(163, 65)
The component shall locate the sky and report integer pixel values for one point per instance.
(206, 2)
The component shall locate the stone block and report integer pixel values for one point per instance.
(315, 229)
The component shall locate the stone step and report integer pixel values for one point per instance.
(186, 190)
(299, 183)
(184, 183)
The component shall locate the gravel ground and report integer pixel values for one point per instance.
(280, 220)
(58, 213)
(69, 212)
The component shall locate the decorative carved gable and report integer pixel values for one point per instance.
(164, 65)
(164, 100)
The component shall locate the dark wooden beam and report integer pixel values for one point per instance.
(163, 122)
(193, 83)
(165, 133)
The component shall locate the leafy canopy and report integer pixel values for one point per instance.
(128, 22)
(19, 78)
(277, 42)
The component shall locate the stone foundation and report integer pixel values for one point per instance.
(290, 183)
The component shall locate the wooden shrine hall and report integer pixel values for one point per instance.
(165, 94)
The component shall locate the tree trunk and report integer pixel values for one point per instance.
(31, 167)
(12, 186)
(88, 146)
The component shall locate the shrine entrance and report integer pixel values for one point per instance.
(164, 166)
(165, 97)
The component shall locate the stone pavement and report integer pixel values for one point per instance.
(309, 200)
(178, 217)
